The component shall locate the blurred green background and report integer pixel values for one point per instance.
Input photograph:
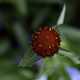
(18, 20)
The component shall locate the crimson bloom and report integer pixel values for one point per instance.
(46, 41)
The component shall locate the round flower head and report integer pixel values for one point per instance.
(46, 41)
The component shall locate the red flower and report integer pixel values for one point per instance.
(45, 42)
